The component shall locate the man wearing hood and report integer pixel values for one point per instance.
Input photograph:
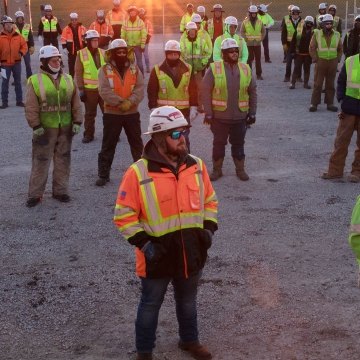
(121, 86)
(352, 39)
(53, 111)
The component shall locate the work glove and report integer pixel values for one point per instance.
(40, 38)
(341, 115)
(31, 50)
(39, 131)
(153, 251)
(82, 96)
(76, 129)
(208, 120)
(125, 105)
(250, 119)
(65, 51)
(193, 113)
(148, 37)
(285, 47)
(207, 238)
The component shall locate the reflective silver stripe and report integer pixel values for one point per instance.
(173, 102)
(121, 212)
(355, 228)
(109, 71)
(130, 230)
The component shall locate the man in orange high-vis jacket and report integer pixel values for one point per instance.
(121, 86)
(116, 17)
(72, 40)
(167, 208)
(104, 29)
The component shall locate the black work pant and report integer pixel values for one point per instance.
(53, 40)
(224, 131)
(265, 43)
(290, 57)
(113, 124)
(301, 61)
(255, 53)
(71, 62)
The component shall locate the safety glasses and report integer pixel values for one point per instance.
(176, 134)
(232, 51)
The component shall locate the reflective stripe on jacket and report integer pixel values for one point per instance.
(352, 64)
(251, 33)
(168, 94)
(24, 31)
(220, 92)
(49, 26)
(196, 53)
(323, 51)
(134, 33)
(90, 74)
(55, 103)
(67, 36)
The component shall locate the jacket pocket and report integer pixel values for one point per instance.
(194, 197)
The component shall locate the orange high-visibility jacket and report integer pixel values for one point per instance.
(104, 29)
(67, 37)
(12, 47)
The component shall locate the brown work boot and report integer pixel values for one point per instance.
(196, 350)
(329, 176)
(354, 178)
(217, 169)
(144, 356)
(240, 169)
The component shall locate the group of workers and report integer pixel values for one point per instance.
(166, 206)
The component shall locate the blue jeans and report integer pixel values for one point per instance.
(16, 71)
(27, 62)
(146, 57)
(152, 296)
(138, 55)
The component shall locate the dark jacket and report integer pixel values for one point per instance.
(284, 30)
(302, 46)
(30, 41)
(52, 34)
(351, 43)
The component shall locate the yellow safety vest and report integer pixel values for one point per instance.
(90, 74)
(323, 51)
(291, 29)
(195, 53)
(252, 34)
(168, 94)
(220, 94)
(49, 26)
(55, 104)
(352, 64)
(24, 31)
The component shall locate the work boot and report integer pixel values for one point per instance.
(354, 178)
(268, 61)
(4, 106)
(217, 169)
(144, 356)
(292, 86)
(86, 140)
(312, 108)
(102, 181)
(61, 197)
(240, 170)
(286, 79)
(299, 79)
(307, 86)
(329, 176)
(259, 77)
(332, 108)
(196, 350)
(20, 103)
(31, 202)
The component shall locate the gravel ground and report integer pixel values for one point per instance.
(280, 282)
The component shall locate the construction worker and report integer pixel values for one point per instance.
(25, 30)
(12, 47)
(337, 26)
(288, 32)
(348, 94)
(253, 31)
(104, 29)
(322, 12)
(283, 24)
(352, 39)
(195, 52)
(300, 46)
(354, 232)
(53, 111)
(200, 10)
(169, 84)
(201, 32)
(231, 25)
(268, 22)
(88, 62)
(326, 50)
(229, 97)
(72, 40)
(167, 208)
(215, 25)
(49, 28)
(134, 33)
(150, 32)
(186, 17)
(116, 17)
(121, 86)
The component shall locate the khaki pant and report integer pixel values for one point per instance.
(324, 69)
(55, 144)
(92, 100)
(345, 130)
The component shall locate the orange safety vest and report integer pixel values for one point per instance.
(116, 17)
(122, 87)
(67, 36)
(103, 29)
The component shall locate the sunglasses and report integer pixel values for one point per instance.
(232, 51)
(176, 134)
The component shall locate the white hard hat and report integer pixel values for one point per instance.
(217, 7)
(191, 26)
(295, 9)
(263, 8)
(47, 7)
(229, 44)
(19, 14)
(7, 20)
(48, 51)
(165, 118)
(309, 19)
(117, 44)
(321, 18)
(142, 11)
(116, 2)
(290, 7)
(231, 20)
(196, 18)
(74, 15)
(253, 9)
(322, 6)
(172, 45)
(200, 9)
(327, 17)
(132, 8)
(332, 7)
(100, 13)
(91, 34)
(357, 18)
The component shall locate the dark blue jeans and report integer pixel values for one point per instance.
(152, 296)
(290, 57)
(16, 71)
(27, 62)
(138, 56)
(234, 132)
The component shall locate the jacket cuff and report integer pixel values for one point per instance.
(210, 225)
(139, 240)
(36, 127)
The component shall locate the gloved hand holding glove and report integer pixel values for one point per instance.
(76, 129)
(39, 131)
(250, 119)
(193, 113)
(125, 105)
(82, 96)
(208, 120)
